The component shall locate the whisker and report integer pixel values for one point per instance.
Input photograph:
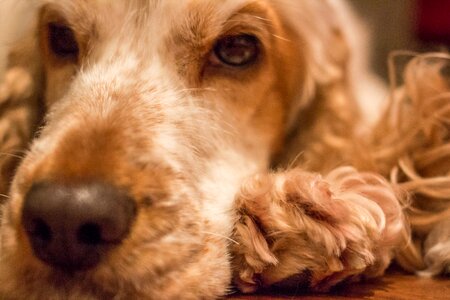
(12, 155)
(294, 161)
(222, 236)
(208, 89)
(281, 38)
(264, 20)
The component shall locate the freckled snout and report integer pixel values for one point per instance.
(71, 227)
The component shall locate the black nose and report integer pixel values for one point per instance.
(71, 227)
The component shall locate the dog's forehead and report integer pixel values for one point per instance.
(159, 11)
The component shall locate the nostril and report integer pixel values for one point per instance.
(90, 234)
(39, 230)
(71, 226)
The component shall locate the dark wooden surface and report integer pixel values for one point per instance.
(395, 285)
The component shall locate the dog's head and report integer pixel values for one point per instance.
(155, 110)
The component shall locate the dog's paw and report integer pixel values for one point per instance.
(329, 229)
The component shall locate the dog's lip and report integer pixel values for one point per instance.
(91, 280)
(71, 267)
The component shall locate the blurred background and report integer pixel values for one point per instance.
(420, 25)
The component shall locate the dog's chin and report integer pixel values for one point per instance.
(62, 285)
(199, 269)
(154, 262)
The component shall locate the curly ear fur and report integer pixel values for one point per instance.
(410, 140)
(323, 117)
(411, 144)
(20, 88)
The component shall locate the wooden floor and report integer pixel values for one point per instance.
(393, 286)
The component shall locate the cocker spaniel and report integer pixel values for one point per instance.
(179, 146)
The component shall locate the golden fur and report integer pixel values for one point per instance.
(147, 108)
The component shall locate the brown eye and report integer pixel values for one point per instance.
(237, 51)
(62, 41)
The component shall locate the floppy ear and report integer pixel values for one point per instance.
(332, 48)
(20, 88)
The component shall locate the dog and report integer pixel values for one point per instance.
(165, 149)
